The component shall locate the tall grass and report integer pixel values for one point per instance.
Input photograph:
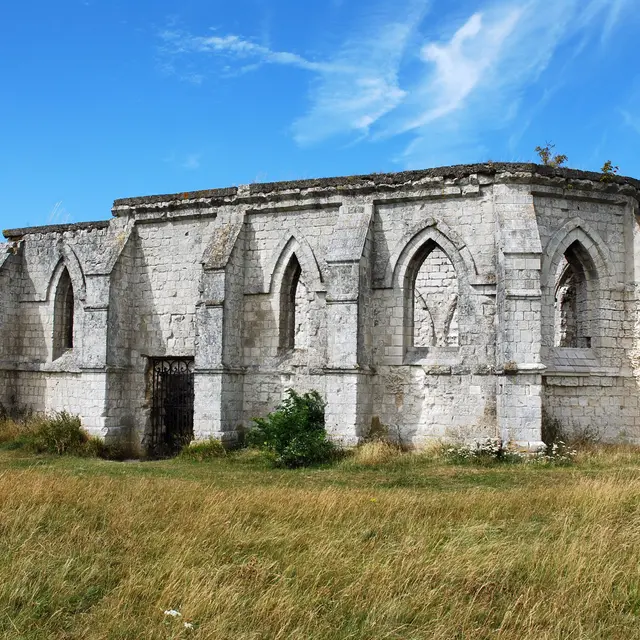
(58, 433)
(418, 549)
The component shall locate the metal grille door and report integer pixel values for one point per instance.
(172, 405)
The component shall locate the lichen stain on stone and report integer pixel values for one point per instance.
(221, 244)
(510, 367)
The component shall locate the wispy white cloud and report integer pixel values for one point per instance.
(350, 90)
(234, 47)
(192, 162)
(631, 120)
(185, 75)
(387, 79)
(367, 86)
(189, 162)
(459, 65)
(613, 16)
(476, 79)
(58, 214)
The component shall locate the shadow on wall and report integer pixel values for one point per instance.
(144, 339)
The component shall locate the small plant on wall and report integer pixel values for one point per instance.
(548, 157)
(608, 171)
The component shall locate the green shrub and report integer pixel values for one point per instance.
(203, 451)
(294, 435)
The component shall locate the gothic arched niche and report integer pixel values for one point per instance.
(63, 315)
(294, 307)
(576, 281)
(431, 290)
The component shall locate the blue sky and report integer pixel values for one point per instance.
(104, 99)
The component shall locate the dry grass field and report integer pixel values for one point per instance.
(376, 547)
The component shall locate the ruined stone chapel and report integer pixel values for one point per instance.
(458, 302)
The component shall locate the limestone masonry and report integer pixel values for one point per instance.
(458, 302)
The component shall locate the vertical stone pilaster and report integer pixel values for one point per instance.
(347, 373)
(219, 327)
(93, 348)
(218, 405)
(218, 388)
(348, 410)
(519, 390)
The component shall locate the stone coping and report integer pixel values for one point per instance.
(170, 197)
(13, 234)
(455, 172)
(356, 182)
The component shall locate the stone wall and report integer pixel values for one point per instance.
(9, 325)
(158, 311)
(436, 303)
(590, 381)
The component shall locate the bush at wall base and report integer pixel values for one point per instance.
(294, 434)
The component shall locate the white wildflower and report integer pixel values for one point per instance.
(173, 613)
(188, 625)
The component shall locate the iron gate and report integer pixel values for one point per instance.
(172, 405)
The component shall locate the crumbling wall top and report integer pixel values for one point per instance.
(261, 192)
(15, 234)
(370, 182)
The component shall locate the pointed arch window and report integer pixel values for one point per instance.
(293, 307)
(63, 315)
(576, 280)
(431, 299)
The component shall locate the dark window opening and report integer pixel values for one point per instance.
(288, 291)
(63, 316)
(69, 305)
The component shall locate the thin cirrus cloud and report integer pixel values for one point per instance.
(458, 66)
(629, 120)
(350, 90)
(472, 77)
(189, 162)
(630, 111)
(475, 81)
(192, 162)
(234, 48)
(367, 87)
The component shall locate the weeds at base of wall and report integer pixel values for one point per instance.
(491, 451)
(557, 435)
(387, 433)
(382, 444)
(487, 451)
(202, 451)
(292, 436)
(374, 453)
(58, 433)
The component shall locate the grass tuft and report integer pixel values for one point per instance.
(58, 433)
(202, 451)
(374, 453)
